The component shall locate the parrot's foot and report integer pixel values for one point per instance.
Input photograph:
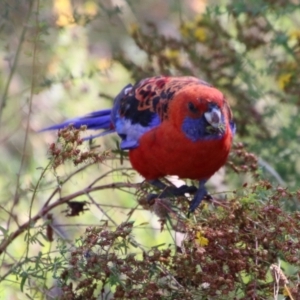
(200, 193)
(199, 196)
(170, 190)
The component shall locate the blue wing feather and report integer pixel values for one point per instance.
(130, 122)
(125, 118)
(96, 120)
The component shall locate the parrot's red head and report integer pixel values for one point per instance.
(200, 111)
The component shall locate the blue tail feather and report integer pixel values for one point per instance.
(96, 120)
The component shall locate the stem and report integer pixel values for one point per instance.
(46, 209)
(15, 62)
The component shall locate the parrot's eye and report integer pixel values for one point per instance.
(213, 116)
(192, 107)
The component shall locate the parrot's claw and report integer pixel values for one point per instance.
(199, 196)
(170, 190)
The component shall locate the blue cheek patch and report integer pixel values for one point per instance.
(200, 129)
(194, 129)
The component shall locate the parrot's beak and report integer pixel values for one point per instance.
(214, 117)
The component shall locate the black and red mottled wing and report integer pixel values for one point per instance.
(137, 109)
(145, 105)
(154, 94)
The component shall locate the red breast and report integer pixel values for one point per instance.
(166, 150)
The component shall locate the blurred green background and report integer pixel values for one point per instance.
(63, 58)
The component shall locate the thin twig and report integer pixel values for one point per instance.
(15, 62)
(46, 209)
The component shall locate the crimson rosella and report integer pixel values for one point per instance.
(171, 126)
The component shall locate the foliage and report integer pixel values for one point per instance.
(225, 255)
(80, 226)
(229, 248)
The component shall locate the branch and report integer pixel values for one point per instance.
(46, 209)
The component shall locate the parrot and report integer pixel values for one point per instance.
(171, 126)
